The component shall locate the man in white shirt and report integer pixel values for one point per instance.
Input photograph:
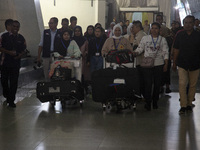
(46, 45)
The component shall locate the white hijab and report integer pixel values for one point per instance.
(129, 29)
(117, 26)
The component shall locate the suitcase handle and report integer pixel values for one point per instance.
(73, 82)
(73, 91)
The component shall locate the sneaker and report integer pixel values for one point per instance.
(168, 90)
(182, 110)
(189, 109)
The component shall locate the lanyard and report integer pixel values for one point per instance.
(116, 46)
(64, 44)
(154, 42)
(97, 46)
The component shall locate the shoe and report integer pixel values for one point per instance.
(168, 90)
(147, 107)
(155, 106)
(161, 90)
(189, 109)
(13, 105)
(182, 110)
(5, 103)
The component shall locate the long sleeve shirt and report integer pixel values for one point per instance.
(161, 48)
(121, 44)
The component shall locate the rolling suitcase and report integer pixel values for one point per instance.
(60, 90)
(110, 84)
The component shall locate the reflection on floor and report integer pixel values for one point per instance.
(36, 126)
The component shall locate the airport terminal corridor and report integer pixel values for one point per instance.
(33, 125)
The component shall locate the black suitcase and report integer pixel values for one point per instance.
(105, 89)
(59, 90)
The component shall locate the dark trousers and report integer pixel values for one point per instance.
(9, 82)
(166, 77)
(141, 76)
(152, 82)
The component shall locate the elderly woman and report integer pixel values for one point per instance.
(116, 42)
(154, 46)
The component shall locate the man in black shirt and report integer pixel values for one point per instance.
(187, 58)
(13, 47)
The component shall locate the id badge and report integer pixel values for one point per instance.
(97, 54)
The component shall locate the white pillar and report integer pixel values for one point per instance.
(101, 12)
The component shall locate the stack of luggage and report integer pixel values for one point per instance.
(63, 85)
(116, 85)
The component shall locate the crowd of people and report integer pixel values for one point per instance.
(179, 45)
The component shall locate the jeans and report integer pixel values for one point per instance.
(187, 77)
(96, 63)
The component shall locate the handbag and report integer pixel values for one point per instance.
(119, 56)
(148, 62)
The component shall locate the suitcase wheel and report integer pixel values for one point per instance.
(134, 106)
(81, 103)
(104, 107)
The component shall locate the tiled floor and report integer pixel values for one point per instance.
(36, 126)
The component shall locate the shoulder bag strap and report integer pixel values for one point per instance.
(159, 45)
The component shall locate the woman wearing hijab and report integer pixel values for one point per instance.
(110, 30)
(67, 47)
(89, 34)
(129, 36)
(83, 45)
(94, 59)
(78, 36)
(154, 46)
(116, 42)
